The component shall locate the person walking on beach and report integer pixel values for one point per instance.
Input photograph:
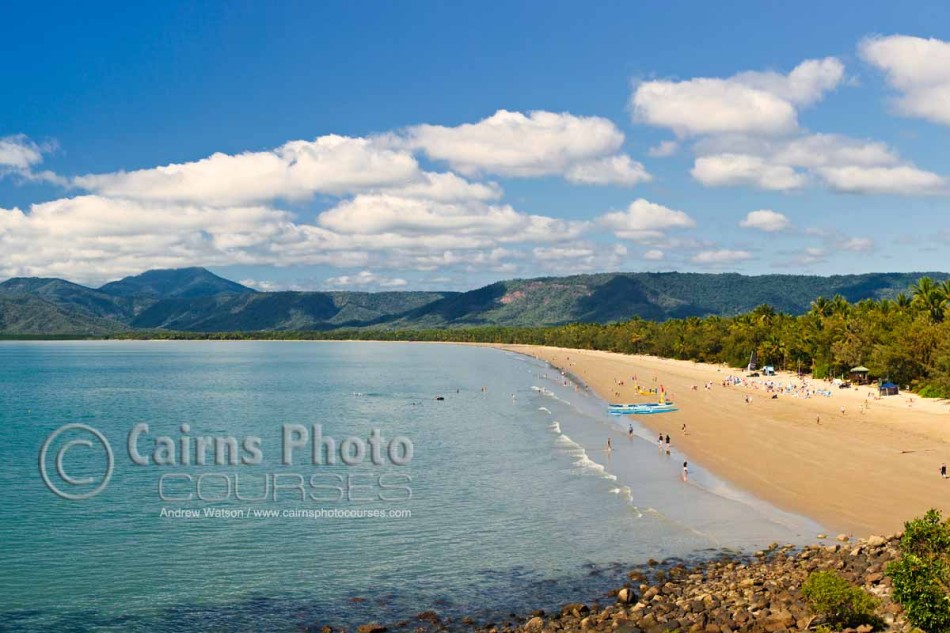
(943, 471)
(659, 443)
(630, 431)
(667, 444)
(608, 445)
(685, 471)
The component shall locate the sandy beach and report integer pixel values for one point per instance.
(861, 472)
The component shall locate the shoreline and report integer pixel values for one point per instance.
(668, 592)
(759, 593)
(706, 482)
(748, 594)
(859, 473)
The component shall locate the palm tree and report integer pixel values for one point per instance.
(902, 301)
(923, 287)
(867, 305)
(930, 297)
(945, 289)
(775, 350)
(933, 303)
(764, 314)
(840, 305)
(821, 307)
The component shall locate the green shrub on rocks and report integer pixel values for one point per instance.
(921, 576)
(840, 603)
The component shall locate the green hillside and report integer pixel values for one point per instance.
(280, 310)
(196, 300)
(29, 315)
(72, 297)
(609, 297)
(179, 282)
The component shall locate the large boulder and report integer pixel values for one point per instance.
(876, 541)
(626, 596)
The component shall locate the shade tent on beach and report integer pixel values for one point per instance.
(888, 389)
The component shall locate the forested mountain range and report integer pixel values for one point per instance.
(197, 300)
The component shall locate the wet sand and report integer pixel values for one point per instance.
(856, 472)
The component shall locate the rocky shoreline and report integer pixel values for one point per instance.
(759, 593)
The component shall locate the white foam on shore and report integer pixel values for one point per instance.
(589, 411)
(583, 464)
(564, 441)
(545, 409)
(586, 465)
(550, 394)
(624, 492)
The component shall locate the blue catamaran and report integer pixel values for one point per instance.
(642, 408)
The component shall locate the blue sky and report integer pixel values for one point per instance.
(421, 145)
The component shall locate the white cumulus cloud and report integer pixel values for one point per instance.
(766, 220)
(97, 238)
(857, 244)
(918, 68)
(365, 278)
(720, 257)
(19, 152)
(711, 106)
(644, 220)
(664, 149)
(900, 180)
(297, 170)
(472, 221)
(806, 84)
(748, 103)
(839, 162)
(748, 132)
(613, 170)
(582, 149)
(742, 169)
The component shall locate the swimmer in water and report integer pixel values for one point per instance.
(608, 445)
(630, 431)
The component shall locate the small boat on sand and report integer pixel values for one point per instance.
(640, 408)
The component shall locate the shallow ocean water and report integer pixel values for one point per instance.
(514, 503)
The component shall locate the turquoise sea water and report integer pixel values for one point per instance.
(514, 503)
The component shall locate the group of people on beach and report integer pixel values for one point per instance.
(664, 441)
(661, 442)
(794, 389)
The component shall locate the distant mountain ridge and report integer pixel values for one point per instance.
(197, 300)
(179, 282)
(71, 297)
(280, 310)
(21, 314)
